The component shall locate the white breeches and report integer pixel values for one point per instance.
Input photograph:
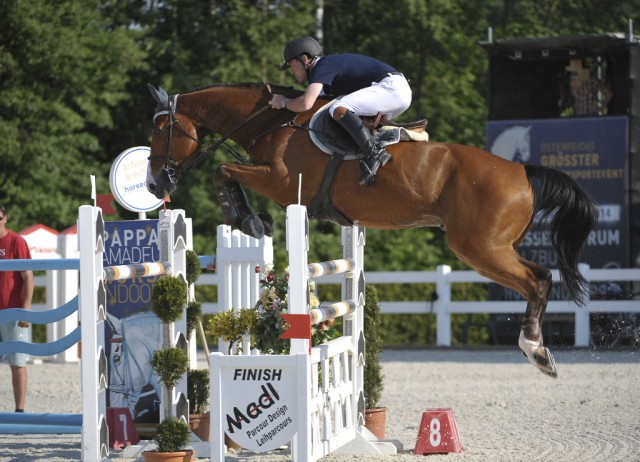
(391, 96)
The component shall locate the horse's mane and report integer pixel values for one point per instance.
(274, 88)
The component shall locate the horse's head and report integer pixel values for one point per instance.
(174, 140)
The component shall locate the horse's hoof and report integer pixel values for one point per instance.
(267, 222)
(538, 355)
(546, 363)
(252, 226)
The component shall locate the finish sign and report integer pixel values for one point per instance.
(259, 409)
(128, 180)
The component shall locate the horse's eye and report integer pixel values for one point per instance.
(156, 131)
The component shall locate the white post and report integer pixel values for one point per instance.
(51, 290)
(172, 236)
(92, 305)
(443, 315)
(216, 432)
(297, 248)
(66, 288)
(298, 303)
(353, 286)
(301, 448)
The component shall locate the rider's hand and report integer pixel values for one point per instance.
(278, 102)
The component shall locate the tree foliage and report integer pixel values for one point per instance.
(61, 73)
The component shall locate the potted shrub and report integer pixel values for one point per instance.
(375, 417)
(198, 395)
(169, 297)
(193, 267)
(231, 326)
(194, 309)
(171, 436)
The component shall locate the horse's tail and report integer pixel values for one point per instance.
(574, 218)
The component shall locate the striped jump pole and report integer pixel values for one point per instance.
(333, 311)
(344, 265)
(140, 270)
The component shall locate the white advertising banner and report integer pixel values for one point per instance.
(258, 398)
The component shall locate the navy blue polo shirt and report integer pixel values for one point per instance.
(346, 73)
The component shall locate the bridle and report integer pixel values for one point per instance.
(175, 170)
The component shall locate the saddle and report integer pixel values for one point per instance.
(333, 140)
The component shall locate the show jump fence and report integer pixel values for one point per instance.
(91, 304)
(328, 385)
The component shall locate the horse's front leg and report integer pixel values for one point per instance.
(235, 207)
(530, 341)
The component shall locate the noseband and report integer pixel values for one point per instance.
(175, 170)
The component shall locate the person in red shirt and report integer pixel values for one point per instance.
(16, 291)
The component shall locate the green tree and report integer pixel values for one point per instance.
(61, 70)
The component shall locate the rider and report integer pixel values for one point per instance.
(366, 85)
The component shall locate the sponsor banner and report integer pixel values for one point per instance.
(594, 151)
(133, 331)
(259, 408)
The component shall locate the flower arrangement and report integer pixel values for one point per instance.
(264, 321)
(270, 307)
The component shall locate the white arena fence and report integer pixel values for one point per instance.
(443, 277)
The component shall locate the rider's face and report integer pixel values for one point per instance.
(298, 70)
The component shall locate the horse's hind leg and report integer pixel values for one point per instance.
(506, 267)
(530, 341)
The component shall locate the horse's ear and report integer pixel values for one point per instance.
(114, 323)
(163, 94)
(160, 97)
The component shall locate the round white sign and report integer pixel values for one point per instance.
(128, 180)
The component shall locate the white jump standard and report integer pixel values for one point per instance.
(314, 400)
(91, 304)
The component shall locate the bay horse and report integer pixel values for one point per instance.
(486, 204)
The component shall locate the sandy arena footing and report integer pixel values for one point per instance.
(504, 408)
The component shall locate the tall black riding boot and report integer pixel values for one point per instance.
(374, 158)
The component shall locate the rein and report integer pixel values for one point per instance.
(175, 171)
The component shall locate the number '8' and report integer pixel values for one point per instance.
(434, 432)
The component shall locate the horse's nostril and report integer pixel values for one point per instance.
(152, 187)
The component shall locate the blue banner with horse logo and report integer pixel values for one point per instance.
(594, 151)
(133, 331)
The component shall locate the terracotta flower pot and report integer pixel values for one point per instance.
(375, 420)
(200, 424)
(180, 456)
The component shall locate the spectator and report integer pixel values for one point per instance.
(16, 291)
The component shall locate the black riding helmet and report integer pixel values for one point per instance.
(300, 46)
